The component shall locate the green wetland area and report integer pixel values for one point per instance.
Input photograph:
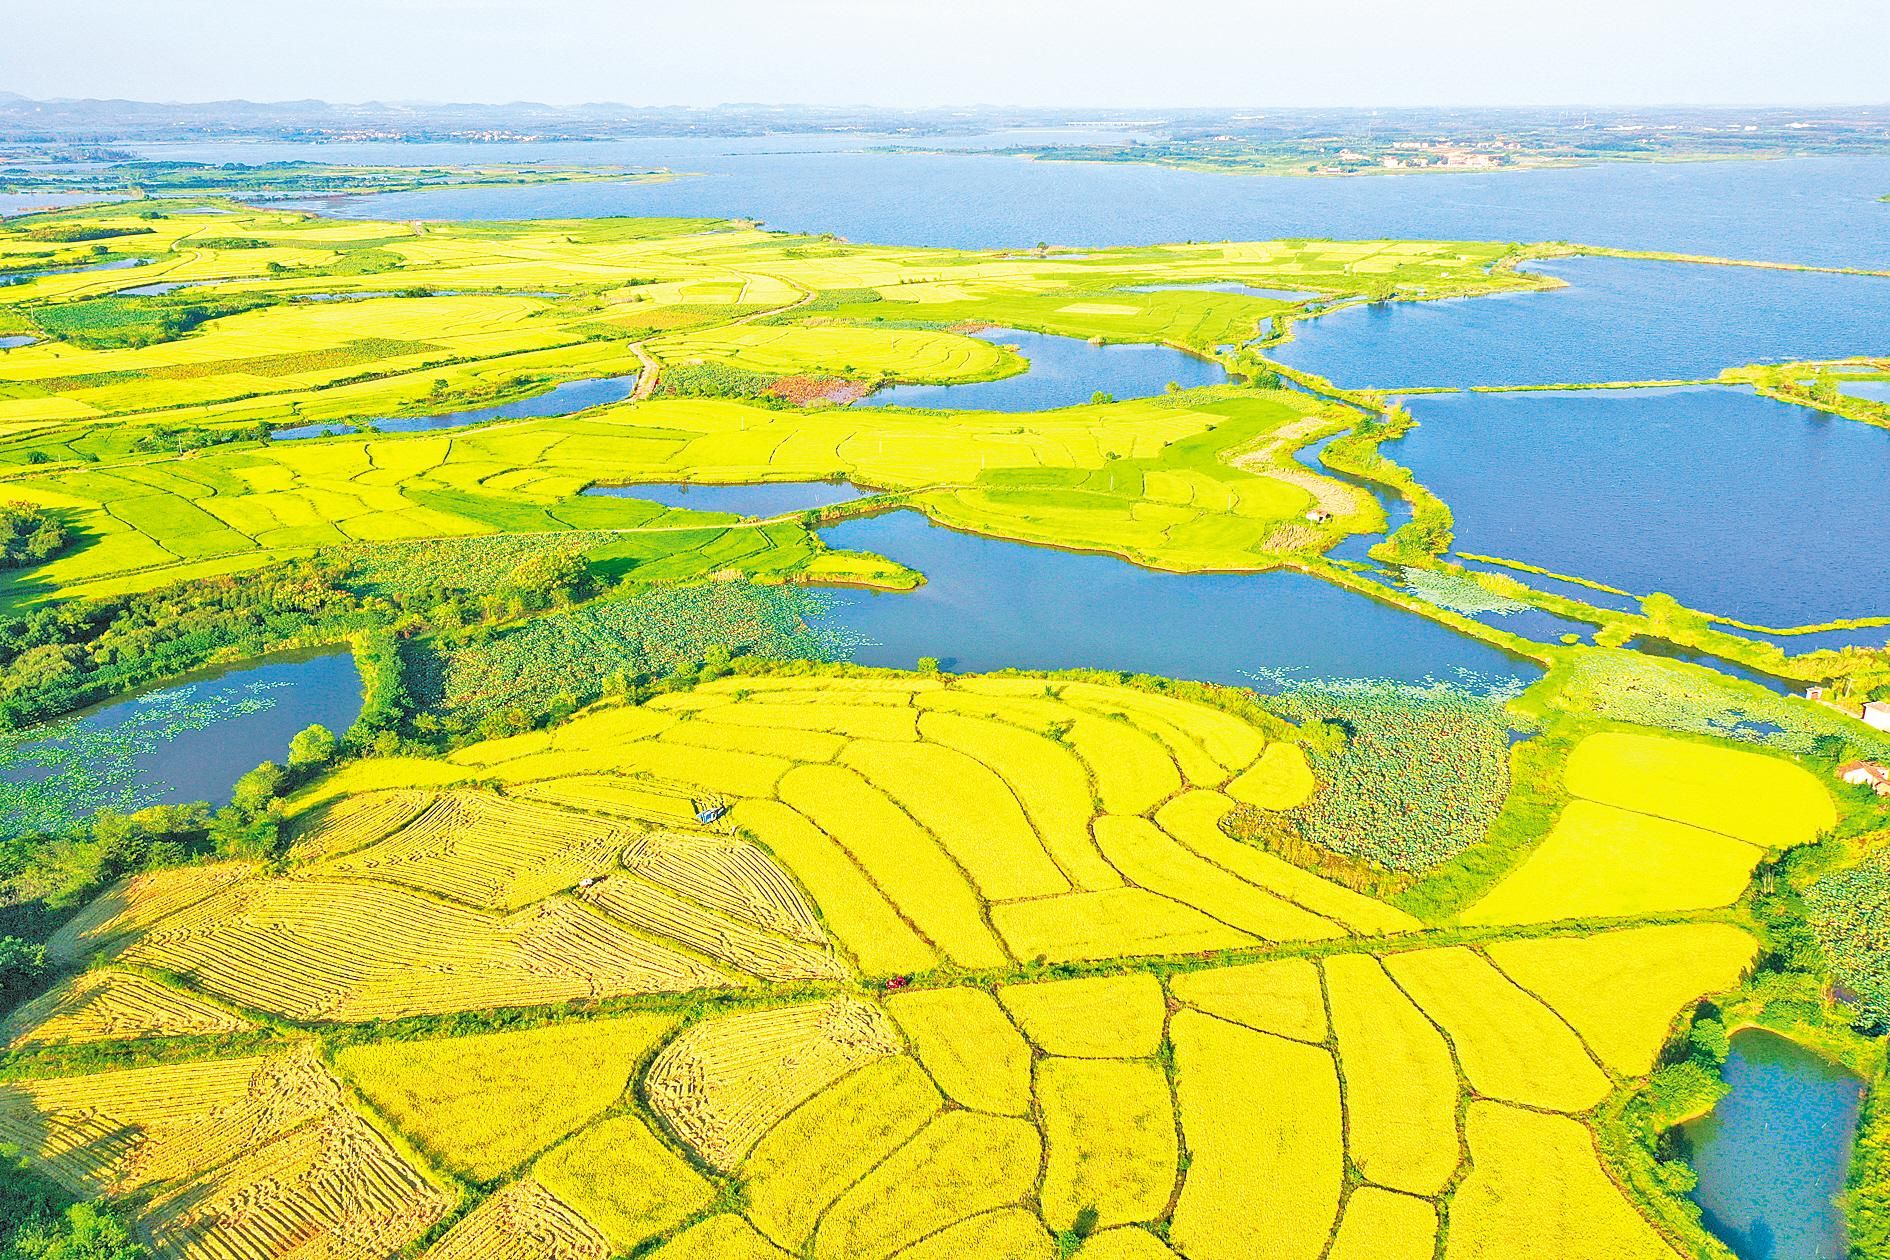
(862, 695)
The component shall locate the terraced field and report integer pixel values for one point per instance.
(968, 968)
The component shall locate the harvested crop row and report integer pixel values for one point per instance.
(730, 942)
(724, 1083)
(296, 947)
(113, 1005)
(524, 1221)
(728, 875)
(488, 851)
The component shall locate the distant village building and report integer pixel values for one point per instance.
(1877, 714)
(1319, 516)
(1870, 774)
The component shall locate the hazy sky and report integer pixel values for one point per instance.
(1132, 53)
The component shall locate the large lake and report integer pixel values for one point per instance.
(1809, 210)
(1730, 502)
(1619, 319)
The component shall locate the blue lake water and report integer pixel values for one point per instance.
(1063, 372)
(1732, 503)
(766, 499)
(187, 740)
(1620, 319)
(559, 400)
(992, 604)
(1822, 210)
(14, 343)
(1875, 391)
(1773, 1155)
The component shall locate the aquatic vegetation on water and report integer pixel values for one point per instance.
(1850, 913)
(577, 652)
(1459, 594)
(52, 777)
(1422, 774)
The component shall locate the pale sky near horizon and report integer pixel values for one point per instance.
(1068, 53)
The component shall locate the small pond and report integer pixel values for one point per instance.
(1773, 1155)
(14, 343)
(992, 604)
(187, 740)
(1063, 372)
(765, 499)
(115, 264)
(1874, 391)
(1734, 504)
(1620, 319)
(559, 400)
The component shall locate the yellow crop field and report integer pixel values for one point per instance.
(1380, 1225)
(110, 1005)
(1124, 1244)
(1536, 1187)
(488, 851)
(830, 1142)
(1230, 742)
(968, 1045)
(1281, 779)
(724, 1083)
(902, 354)
(625, 1182)
(1193, 818)
(1051, 785)
(135, 903)
(1281, 997)
(1108, 1017)
(960, 1165)
(723, 1237)
(1510, 1045)
(482, 1104)
(1622, 990)
(969, 809)
(353, 822)
(899, 857)
(1156, 861)
(1113, 923)
(1759, 799)
(523, 1221)
(1255, 1111)
(243, 1158)
(296, 947)
(729, 876)
(1400, 1080)
(1602, 862)
(730, 942)
(1109, 1130)
(861, 916)
(1013, 1233)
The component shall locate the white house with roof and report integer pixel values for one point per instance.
(1877, 714)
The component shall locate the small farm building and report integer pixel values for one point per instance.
(1868, 774)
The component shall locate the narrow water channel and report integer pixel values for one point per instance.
(560, 400)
